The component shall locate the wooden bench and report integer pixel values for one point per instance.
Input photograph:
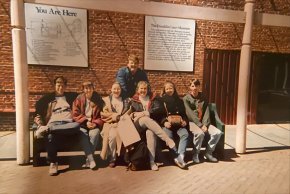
(72, 142)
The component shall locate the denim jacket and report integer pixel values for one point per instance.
(128, 81)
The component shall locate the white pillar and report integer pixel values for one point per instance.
(21, 81)
(244, 76)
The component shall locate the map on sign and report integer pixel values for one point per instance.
(56, 35)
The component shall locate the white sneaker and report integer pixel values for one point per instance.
(53, 169)
(153, 166)
(179, 162)
(41, 131)
(86, 164)
(195, 159)
(90, 162)
(209, 157)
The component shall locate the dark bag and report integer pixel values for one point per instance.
(138, 156)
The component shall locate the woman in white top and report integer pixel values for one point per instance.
(115, 106)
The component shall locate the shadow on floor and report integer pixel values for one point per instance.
(75, 162)
(264, 137)
(229, 154)
(165, 159)
(7, 159)
(265, 149)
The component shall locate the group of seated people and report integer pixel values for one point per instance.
(164, 116)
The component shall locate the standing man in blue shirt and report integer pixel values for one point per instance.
(129, 76)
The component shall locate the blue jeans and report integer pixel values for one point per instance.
(90, 140)
(183, 137)
(198, 136)
(59, 128)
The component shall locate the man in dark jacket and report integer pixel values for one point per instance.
(129, 76)
(53, 117)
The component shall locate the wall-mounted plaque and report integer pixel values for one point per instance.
(56, 35)
(169, 44)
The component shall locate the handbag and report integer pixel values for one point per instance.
(174, 120)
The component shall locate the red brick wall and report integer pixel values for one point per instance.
(280, 7)
(113, 35)
(7, 121)
(6, 72)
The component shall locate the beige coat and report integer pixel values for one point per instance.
(111, 120)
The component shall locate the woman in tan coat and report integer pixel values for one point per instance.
(115, 106)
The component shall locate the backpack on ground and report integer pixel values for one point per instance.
(138, 156)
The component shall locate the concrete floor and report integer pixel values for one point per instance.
(265, 168)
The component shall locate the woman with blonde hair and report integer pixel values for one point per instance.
(146, 112)
(174, 108)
